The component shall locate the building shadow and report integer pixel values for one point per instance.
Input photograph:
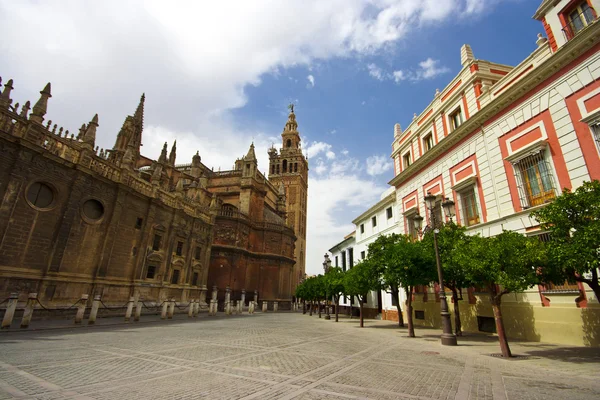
(577, 355)
(591, 326)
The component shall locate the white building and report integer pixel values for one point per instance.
(380, 219)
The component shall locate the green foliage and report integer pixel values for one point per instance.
(509, 259)
(452, 241)
(334, 282)
(312, 288)
(573, 220)
(400, 262)
(360, 279)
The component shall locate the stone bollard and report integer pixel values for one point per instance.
(243, 301)
(138, 310)
(196, 308)
(251, 307)
(275, 306)
(9, 314)
(81, 308)
(29, 307)
(264, 306)
(163, 312)
(129, 310)
(191, 309)
(171, 310)
(256, 297)
(212, 307)
(94, 312)
(215, 292)
(239, 307)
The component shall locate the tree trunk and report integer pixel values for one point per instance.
(457, 324)
(303, 306)
(592, 283)
(360, 303)
(310, 308)
(398, 308)
(409, 312)
(351, 299)
(495, 298)
(337, 302)
(319, 306)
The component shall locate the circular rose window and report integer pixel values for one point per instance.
(40, 195)
(93, 209)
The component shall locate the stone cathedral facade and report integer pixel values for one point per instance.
(75, 219)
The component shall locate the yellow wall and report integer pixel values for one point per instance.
(525, 318)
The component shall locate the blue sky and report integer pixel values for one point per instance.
(220, 75)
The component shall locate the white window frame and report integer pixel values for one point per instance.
(427, 135)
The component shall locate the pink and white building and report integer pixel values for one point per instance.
(502, 141)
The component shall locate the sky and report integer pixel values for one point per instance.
(219, 75)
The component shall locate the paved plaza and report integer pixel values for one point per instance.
(282, 356)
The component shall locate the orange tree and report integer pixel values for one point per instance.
(507, 263)
(573, 220)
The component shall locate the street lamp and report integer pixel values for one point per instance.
(326, 268)
(448, 337)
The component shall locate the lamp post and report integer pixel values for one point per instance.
(448, 338)
(326, 267)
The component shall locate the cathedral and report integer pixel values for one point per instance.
(76, 219)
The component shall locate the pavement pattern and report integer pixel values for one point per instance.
(283, 356)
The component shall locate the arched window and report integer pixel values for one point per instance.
(289, 143)
(277, 168)
(296, 167)
(284, 166)
(273, 168)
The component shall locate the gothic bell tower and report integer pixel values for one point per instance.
(289, 167)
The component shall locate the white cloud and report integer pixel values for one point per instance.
(315, 148)
(377, 165)
(399, 76)
(311, 81)
(194, 60)
(376, 72)
(429, 69)
(332, 132)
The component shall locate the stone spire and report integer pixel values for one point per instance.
(173, 153)
(163, 154)
(138, 116)
(291, 125)
(251, 163)
(397, 130)
(251, 156)
(89, 137)
(41, 107)
(195, 172)
(5, 96)
(466, 55)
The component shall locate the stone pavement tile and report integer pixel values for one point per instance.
(205, 352)
(106, 370)
(322, 395)
(189, 385)
(282, 363)
(267, 341)
(481, 386)
(355, 392)
(337, 348)
(19, 382)
(254, 373)
(50, 356)
(529, 389)
(425, 382)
